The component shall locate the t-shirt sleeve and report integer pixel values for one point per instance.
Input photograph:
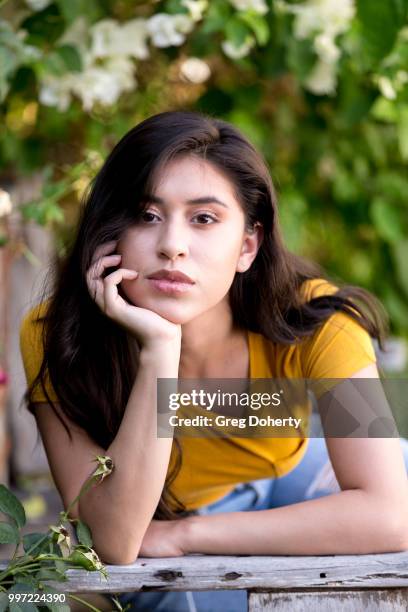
(340, 348)
(31, 347)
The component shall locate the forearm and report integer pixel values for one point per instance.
(119, 509)
(349, 522)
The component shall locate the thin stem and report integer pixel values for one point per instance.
(15, 552)
(40, 541)
(11, 571)
(87, 485)
(87, 604)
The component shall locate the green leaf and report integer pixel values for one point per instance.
(84, 534)
(10, 505)
(400, 252)
(54, 64)
(29, 539)
(386, 220)
(8, 533)
(396, 305)
(29, 580)
(4, 602)
(384, 110)
(402, 131)
(71, 57)
(258, 25)
(173, 7)
(236, 31)
(380, 23)
(301, 57)
(43, 27)
(60, 566)
(72, 9)
(22, 606)
(46, 573)
(216, 17)
(55, 606)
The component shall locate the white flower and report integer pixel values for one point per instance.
(330, 16)
(258, 6)
(5, 203)
(322, 20)
(322, 80)
(386, 88)
(195, 70)
(135, 34)
(105, 467)
(37, 5)
(105, 35)
(56, 91)
(104, 84)
(62, 538)
(110, 39)
(238, 52)
(326, 49)
(169, 30)
(196, 8)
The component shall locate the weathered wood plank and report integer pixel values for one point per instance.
(389, 600)
(207, 572)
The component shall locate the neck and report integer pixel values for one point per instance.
(205, 339)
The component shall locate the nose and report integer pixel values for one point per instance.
(172, 242)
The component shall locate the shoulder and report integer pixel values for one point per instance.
(31, 325)
(340, 346)
(316, 287)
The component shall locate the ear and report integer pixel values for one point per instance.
(250, 246)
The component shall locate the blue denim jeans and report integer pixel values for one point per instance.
(312, 478)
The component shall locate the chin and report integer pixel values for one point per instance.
(175, 312)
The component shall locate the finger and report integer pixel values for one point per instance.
(110, 283)
(103, 249)
(97, 292)
(101, 264)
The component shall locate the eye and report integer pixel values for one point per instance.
(149, 217)
(205, 219)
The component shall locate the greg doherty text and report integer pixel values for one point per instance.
(224, 421)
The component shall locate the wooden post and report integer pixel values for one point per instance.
(4, 365)
(347, 600)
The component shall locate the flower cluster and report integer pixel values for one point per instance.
(257, 6)
(323, 20)
(108, 51)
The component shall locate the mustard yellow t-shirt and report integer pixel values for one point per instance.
(212, 466)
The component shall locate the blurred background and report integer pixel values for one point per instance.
(319, 86)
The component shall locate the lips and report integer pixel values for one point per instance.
(174, 276)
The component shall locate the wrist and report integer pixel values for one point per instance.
(161, 353)
(185, 534)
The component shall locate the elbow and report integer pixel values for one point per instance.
(393, 536)
(118, 558)
(125, 551)
(125, 554)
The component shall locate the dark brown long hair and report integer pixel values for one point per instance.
(91, 363)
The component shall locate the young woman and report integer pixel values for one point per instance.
(178, 270)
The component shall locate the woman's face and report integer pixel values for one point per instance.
(194, 225)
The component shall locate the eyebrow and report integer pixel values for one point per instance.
(203, 200)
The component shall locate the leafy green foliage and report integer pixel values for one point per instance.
(329, 112)
(46, 556)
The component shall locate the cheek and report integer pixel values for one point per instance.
(133, 251)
